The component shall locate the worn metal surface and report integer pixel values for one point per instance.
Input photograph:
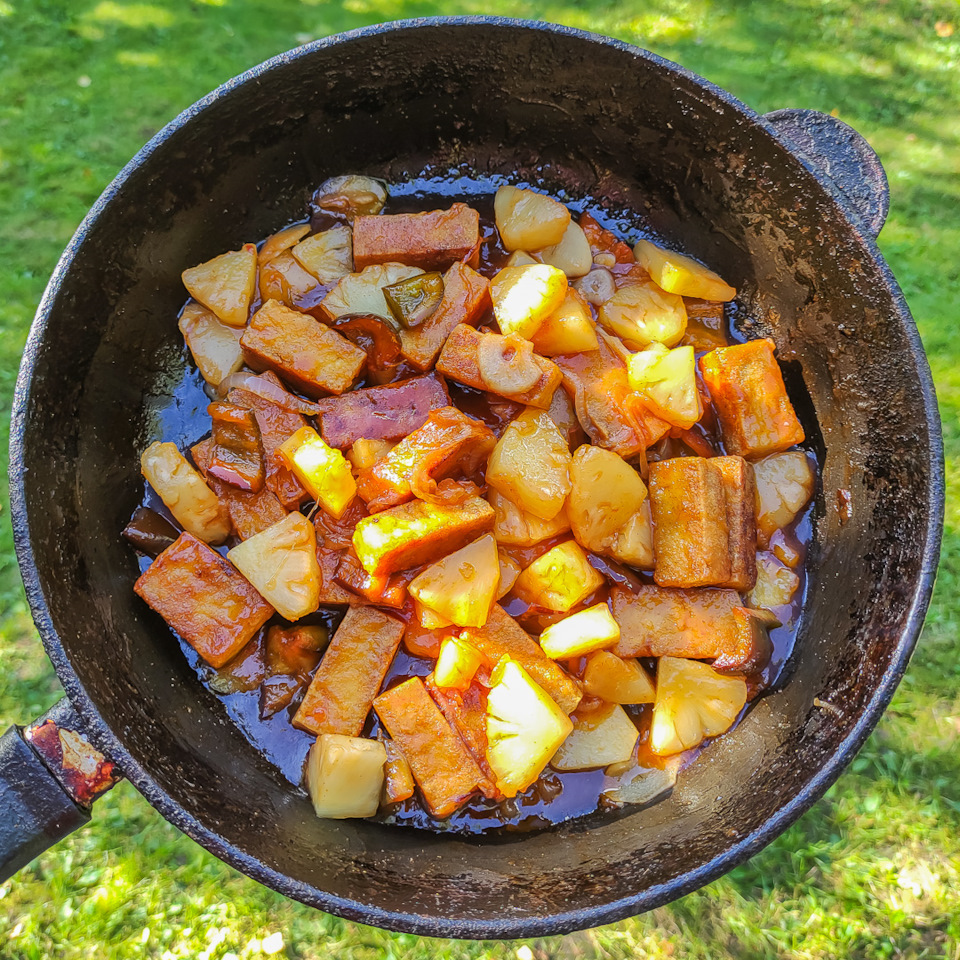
(570, 111)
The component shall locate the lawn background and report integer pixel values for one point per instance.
(873, 870)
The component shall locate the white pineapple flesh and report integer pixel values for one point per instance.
(345, 776)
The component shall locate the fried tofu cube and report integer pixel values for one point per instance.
(740, 495)
(418, 532)
(345, 776)
(659, 621)
(502, 636)
(350, 674)
(281, 562)
(505, 366)
(560, 579)
(690, 533)
(431, 240)
(203, 597)
(466, 295)
(755, 413)
(445, 772)
(313, 358)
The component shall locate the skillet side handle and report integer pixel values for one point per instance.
(49, 777)
(841, 157)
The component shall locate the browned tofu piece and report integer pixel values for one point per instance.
(350, 673)
(276, 424)
(503, 636)
(740, 495)
(204, 598)
(311, 357)
(418, 532)
(459, 360)
(381, 413)
(449, 441)
(431, 240)
(445, 772)
(746, 386)
(466, 295)
(663, 622)
(690, 534)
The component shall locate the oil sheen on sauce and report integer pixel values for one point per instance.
(555, 797)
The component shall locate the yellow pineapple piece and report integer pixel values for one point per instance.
(509, 571)
(530, 465)
(225, 284)
(560, 579)
(281, 562)
(680, 274)
(580, 634)
(323, 470)
(513, 525)
(634, 783)
(193, 504)
(524, 728)
(527, 220)
(693, 702)
(345, 776)
(633, 542)
(328, 256)
(215, 347)
(599, 738)
(364, 453)
(667, 382)
(785, 484)
(642, 313)
(456, 664)
(616, 680)
(776, 584)
(429, 619)
(569, 329)
(523, 297)
(572, 254)
(462, 587)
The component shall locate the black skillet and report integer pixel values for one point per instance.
(785, 206)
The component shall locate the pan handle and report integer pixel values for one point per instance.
(841, 158)
(49, 778)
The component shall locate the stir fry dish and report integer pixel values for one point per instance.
(493, 514)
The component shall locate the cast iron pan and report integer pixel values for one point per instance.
(786, 207)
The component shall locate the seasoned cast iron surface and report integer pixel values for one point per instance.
(576, 114)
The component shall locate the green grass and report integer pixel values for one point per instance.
(871, 870)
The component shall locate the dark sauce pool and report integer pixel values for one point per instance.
(181, 417)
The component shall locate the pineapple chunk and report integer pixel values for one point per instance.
(633, 542)
(776, 584)
(462, 587)
(364, 453)
(323, 470)
(281, 562)
(616, 680)
(784, 486)
(605, 493)
(560, 579)
(580, 634)
(345, 776)
(225, 284)
(569, 329)
(524, 728)
(215, 347)
(528, 220)
(363, 292)
(639, 784)
(682, 275)
(523, 297)
(668, 384)
(509, 571)
(193, 504)
(429, 619)
(640, 313)
(530, 464)
(599, 738)
(520, 258)
(328, 256)
(398, 784)
(693, 702)
(514, 525)
(572, 254)
(456, 664)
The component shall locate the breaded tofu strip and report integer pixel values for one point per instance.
(460, 361)
(418, 532)
(747, 389)
(503, 636)
(445, 772)
(431, 240)
(664, 622)
(204, 598)
(350, 673)
(389, 412)
(466, 295)
(307, 354)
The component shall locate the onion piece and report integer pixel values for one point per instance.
(267, 389)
